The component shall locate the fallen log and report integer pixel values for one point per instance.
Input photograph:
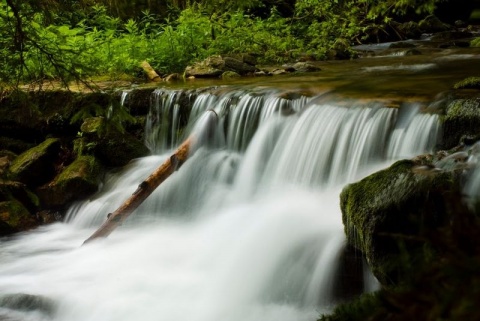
(146, 188)
(150, 72)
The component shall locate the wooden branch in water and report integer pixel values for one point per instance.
(146, 188)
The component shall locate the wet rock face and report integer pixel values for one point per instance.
(386, 213)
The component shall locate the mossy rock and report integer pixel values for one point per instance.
(433, 24)
(15, 190)
(230, 75)
(462, 117)
(78, 180)
(468, 83)
(112, 147)
(385, 213)
(14, 217)
(36, 166)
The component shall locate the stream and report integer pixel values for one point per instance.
(249, 228)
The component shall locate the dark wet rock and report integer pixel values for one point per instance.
(78, 180)
(413, 52)
(238, 66)
(432, 24)
(401, 45)
(407, 30)
(10, 190)
(112, 147)
(14, 217)
(451, 35)
(37, 165)
(28, 303)
(137, 101)
(386, 214)
(455, 44)
(462, 117)
(245, 58)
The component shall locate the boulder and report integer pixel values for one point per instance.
(386, 214)
(215, 66)
(462, 117)
(15, 190)
(407, 30)
(78, 180)
(37, 165)
(212, 67)
(451, 35)
(238, 66)
(306, 67)
(230, 75)
(432, 24)
(14, 217)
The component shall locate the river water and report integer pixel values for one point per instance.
(249, 228)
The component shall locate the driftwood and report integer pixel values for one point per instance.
(150, 72)
(146, 188)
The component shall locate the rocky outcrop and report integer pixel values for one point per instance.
(387, 213)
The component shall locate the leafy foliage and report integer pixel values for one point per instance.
(77, 40)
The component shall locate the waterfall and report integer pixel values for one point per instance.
(249, 228)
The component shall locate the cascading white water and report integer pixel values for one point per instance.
(248, 229)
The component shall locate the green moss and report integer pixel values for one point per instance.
(475, 42)
(470, 82)
(85, 167)
(93, 125)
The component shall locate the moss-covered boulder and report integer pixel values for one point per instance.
(14, 217)
(462, 117)
(386, 213)
(78, 180)
(112, 147)
(36, 166)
